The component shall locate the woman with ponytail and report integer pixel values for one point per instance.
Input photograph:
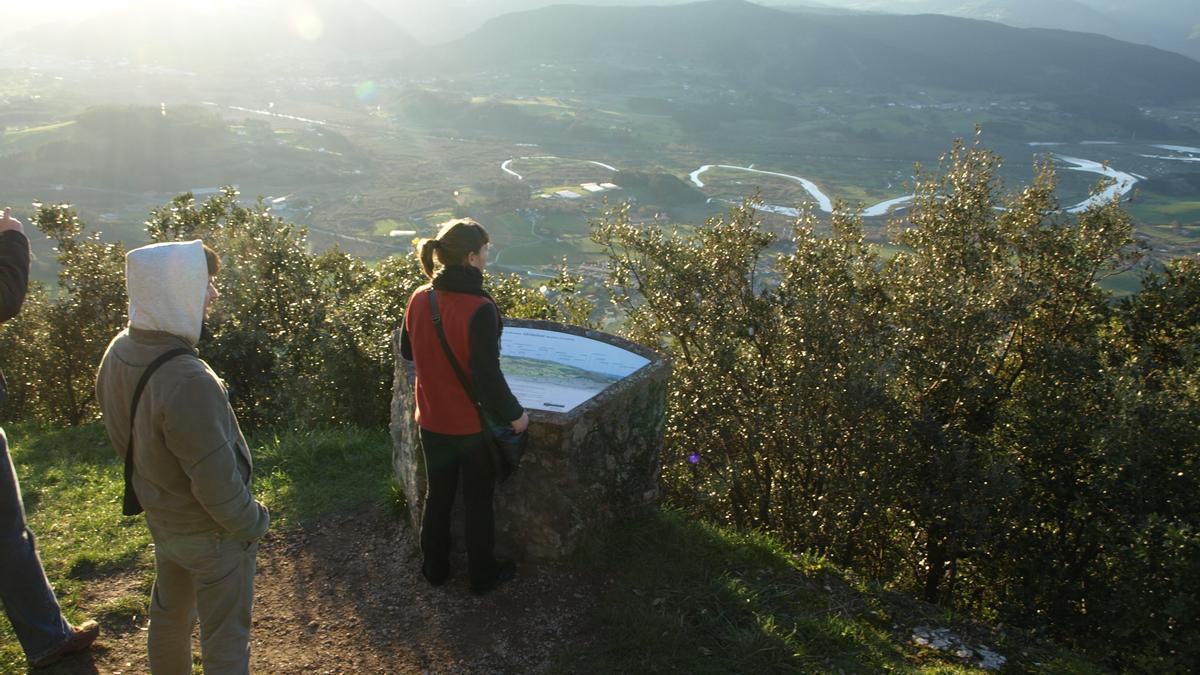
(452, 438)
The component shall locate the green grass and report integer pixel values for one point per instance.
(1190, 210)
(71, 484)
(682, 596)
(515, 227)
(542, 253)
(685, 597)
(385, 226)
(567, 223)
(673, 594)
(438, 217)
(1185, 235)
(1157, 209)
(302, 476)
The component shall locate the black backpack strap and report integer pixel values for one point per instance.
(499, 465)
(484, 427)
(130, 505)
(441, 332)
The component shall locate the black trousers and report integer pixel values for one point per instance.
(446, 459)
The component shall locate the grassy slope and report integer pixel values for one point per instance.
(683, 596)
(677, 595)
(71, 483)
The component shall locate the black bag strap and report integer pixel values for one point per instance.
(130, 505)
(485, 428)
(462, 376)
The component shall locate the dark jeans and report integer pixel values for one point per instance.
(446, 458)
(28, 600)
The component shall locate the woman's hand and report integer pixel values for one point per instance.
(520, 424)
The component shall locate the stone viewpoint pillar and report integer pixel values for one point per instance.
(597, 407)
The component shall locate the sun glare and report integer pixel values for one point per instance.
(306, 22)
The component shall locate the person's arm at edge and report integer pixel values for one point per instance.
(14, 272)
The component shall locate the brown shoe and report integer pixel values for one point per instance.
(82, 637)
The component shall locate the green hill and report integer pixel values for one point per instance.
(756, 46)
(169, 148)
(1166, 24)
(659, 188)
(1069, 15)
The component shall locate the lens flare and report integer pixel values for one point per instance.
(693, 458)
(366, 91)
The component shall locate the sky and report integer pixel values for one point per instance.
(16, 16)
(428, 20)
(433, 21)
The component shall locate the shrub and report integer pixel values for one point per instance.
(973, 420)
(303, 340)
(51, 349)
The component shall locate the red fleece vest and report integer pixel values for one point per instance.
(442, 405)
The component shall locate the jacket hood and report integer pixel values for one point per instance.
(167, 284)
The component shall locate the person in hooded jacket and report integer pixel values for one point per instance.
(452, 438)
(45, 635)
(191, 464)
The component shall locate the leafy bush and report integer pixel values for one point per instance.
(973, 420)
(51, 350)
(303, 340)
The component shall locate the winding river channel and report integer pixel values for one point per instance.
(1121, 182)
(507, 162)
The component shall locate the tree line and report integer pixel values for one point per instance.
(973, 420)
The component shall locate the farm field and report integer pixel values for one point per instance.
(535, 166)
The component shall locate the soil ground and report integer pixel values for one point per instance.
(343, 595)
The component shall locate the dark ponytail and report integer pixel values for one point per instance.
(425, 251)
(456, 239)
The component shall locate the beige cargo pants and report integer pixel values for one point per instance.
(209, 576)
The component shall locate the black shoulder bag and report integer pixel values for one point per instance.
(506, 446)
(130, 505)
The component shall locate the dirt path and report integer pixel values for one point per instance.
(343, 596)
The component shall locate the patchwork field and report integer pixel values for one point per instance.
(535, 166)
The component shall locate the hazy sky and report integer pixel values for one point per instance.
(427, 19)
(435, 20)
(15, 16)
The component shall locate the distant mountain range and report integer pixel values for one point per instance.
(744, 45)
(222, 34)
(1167, 24)
(753, 46)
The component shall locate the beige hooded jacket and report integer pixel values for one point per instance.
(192, 467)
